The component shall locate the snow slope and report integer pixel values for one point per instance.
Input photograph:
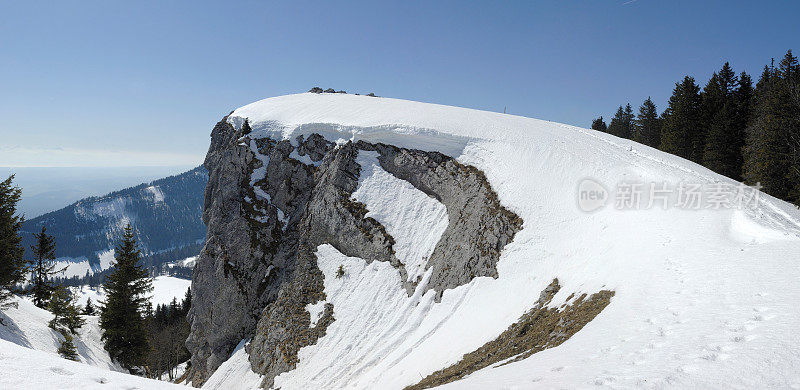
(704, 298)
(26, 325)
(396, 204)
(234, 373)
(165, 288)
(29, 357)
(187, 262)
(25, 368)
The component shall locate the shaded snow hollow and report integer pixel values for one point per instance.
(29, 348)
(415, 220)
(704, 298)
(29, 357)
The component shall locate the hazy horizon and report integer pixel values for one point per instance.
(46, 189)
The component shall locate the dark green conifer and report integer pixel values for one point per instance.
(246, 129)
(67, 348)
(772, 145)
(599, 124)
(724, 131)
(647, 128)
(789, 72)
(12, 263)
(680, 130)
(43, 267)
(66, 315)
(89, 309)
(622, 122)
(122, 315)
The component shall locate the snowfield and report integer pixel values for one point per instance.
(165, 288)
(26, 325)
(28, 347)
(25, 368)
(80, 267)
(29, 357)
(704, 298)
(415, 220)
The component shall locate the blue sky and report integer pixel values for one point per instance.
(142, 83)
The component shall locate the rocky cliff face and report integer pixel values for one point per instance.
(269, 204)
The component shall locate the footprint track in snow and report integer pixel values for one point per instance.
(61, 371)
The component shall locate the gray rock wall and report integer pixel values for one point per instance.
(258, 270)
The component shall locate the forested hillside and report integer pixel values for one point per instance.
(165, 214)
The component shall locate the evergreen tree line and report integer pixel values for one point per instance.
(167, 331)
(747, 133)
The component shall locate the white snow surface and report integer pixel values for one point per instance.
(80, 266)
(29, 357)
(315, 310)
(165, 288)
(187, 262)
(704, 298)
(25, 368)
(114, 208)
(414, 219)
(73, 267)
(106, 258)
(234, 373)
(155, 191)
(26, 325)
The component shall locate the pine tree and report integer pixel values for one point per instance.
(680, 132)
(599, 125)
(12, 264)
(744, 98)
(622, 122)
(648, 125)
(246, 129)
(724, 136)
(615, 126)
(43, 268)
(66, 314)
(763, 151)
(187, 300)
(67, 348)
(122, 315)
(88, 310)
(772, 151)
(789, 71)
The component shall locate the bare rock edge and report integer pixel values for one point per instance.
(257, 271)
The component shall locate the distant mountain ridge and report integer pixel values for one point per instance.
(165, 213)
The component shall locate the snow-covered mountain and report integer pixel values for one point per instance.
(165, 214)
(362, 242)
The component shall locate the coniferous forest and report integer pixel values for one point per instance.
(745, 132)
